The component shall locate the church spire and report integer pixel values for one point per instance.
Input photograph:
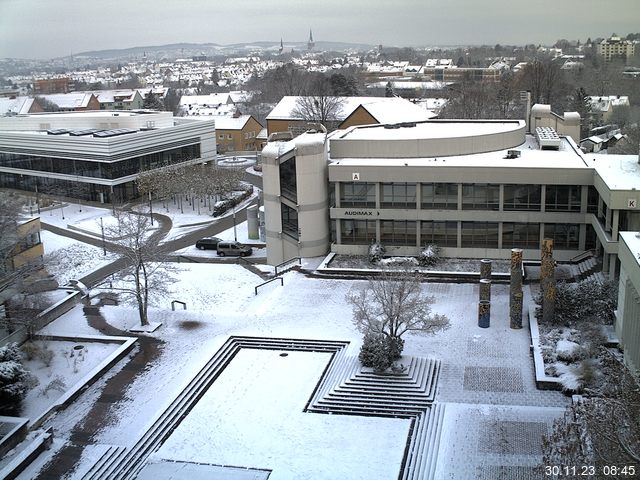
(310, 43)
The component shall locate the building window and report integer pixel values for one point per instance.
(522, 197)
(288, 180)
(358, 232)
(563, 198)
(398, 195)
(221, 136)
(358, 195)
(520, 235)
(289, 221)
(564, 235)
(229, 137)
(440, 196)
(479, 235)
(592, 200)
(443, 234)
(398, 232)
(480, 196)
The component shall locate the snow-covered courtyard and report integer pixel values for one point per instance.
(253, 415)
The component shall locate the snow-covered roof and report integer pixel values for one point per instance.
(619, 172)
(225, 122)
(69, 100)
(384, 109)
(632, 239)
(206, 100)
(530, 157)
(17, 105)
(110, 96)
(432, 130)
(604, 103)
(390, 110)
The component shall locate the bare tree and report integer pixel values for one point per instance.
(10, 207)
(148, 271)
(319, 104)
(392, 304)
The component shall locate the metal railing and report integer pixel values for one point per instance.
(268, 281)
(288, 263)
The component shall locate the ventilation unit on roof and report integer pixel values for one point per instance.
(547, 138)
(57, 131)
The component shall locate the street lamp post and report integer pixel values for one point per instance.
(104, 247)
(235, 235)
(150, 209)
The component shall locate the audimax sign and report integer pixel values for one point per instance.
(361, 213)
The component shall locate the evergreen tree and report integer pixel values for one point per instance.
(152, 102)
(13, 380)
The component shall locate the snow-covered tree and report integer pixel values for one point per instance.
(601, 428)
(14, 380)
(392, 304)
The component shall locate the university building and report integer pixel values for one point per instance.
(476, 189)
(97, 155)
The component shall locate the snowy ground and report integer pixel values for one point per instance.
(68, 365)
(486, 380)
(221, 302)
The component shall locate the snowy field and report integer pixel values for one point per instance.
(253, 416)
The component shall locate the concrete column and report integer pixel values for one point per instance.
(515, 293)
(548, 281)
(485, 289)
(615, 223)
(252, 222)
(484, 314)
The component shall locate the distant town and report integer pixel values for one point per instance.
(284, 260)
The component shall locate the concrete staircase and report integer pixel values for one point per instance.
(345, 388)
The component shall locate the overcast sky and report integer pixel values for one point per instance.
(53, 28)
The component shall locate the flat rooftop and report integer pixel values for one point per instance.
(530, 157)
(619, 172)
(430, 130)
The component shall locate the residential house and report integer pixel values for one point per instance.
(351, 111)
(237, 133)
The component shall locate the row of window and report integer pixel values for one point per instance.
(472, 234)
(475, 196)
(111, 170)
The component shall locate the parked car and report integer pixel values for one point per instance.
(208, 243)
(236, 249)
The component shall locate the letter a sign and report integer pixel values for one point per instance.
(355, 177)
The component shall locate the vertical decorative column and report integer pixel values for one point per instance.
(484, 314)
(515, 291)
(485, 289)
(484, 305)
(485, 268)
(548, 281)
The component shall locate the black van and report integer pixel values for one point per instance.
(208, 243)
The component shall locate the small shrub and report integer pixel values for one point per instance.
(429, 255)
(374, 352)
(586, 300)
(376, 252)
(57, 383)
(569, 351)
(45, 355)
(395, 347)
(30, 350)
